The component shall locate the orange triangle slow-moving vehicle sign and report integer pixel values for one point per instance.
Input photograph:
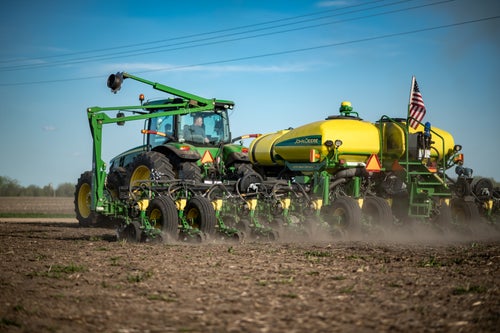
(207, 157)
(373, 164)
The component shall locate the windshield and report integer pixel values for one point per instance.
(205, 127)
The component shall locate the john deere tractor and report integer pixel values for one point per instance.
(162, 184)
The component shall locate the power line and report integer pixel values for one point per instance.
(367, 39)
(210, 41)
(325, 45)
(194, 35)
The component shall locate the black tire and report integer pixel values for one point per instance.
(242, 225)
(236, 233)
(443, 218)
(483, 189)
(200, 214)
(190, 171)
(278, 224)
(131, 232)
(163, 212)
(464, 212)
(83, 197)
(462, 188)
(378, 211)
(115, 179)
(243, 168)
(147, 166)
(247, 177)
(400, 208)
(345, 213)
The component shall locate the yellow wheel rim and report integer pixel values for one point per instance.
(140, 173)
(339, 215)
(155, 216)
(340, 212)
(193, 215)
(84, 199)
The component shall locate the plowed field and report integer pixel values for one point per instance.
(58, 277)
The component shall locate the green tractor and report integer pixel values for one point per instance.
(161, 185)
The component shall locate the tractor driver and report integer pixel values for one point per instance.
(196, 131)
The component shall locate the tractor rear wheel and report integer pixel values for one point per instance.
(83, 197)
(200, 214)
(115, 179)
(163, 213)
(148, 166)
(190, 171)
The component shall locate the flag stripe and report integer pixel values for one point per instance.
(417, 107)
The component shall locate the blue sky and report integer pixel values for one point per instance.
(284, 63)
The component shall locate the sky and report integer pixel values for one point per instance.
(284, 64)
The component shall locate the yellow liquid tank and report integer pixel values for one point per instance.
(394, 142)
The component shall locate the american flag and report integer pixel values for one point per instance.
(417, 107)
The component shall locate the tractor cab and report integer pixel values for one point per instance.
(201, 128)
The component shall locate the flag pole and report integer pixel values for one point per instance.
(411, 95)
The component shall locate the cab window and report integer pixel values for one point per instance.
(162, 125)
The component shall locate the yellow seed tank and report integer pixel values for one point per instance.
(360, 140)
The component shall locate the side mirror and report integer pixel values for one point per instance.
(120, 115)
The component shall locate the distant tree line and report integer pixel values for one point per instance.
(11, 188)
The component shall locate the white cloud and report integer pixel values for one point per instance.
(150, 67)
(49, 128)
(333, 3)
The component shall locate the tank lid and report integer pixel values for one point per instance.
(343, 117)
(397, 120)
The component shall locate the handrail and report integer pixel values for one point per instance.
(441, 162)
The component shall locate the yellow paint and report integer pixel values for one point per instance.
(217, 204)
(181, 204)
(260, 149)
(394, 141)
(143, 204)
(360, 139)
(252, 204)
(285, 203)
(317, 204)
